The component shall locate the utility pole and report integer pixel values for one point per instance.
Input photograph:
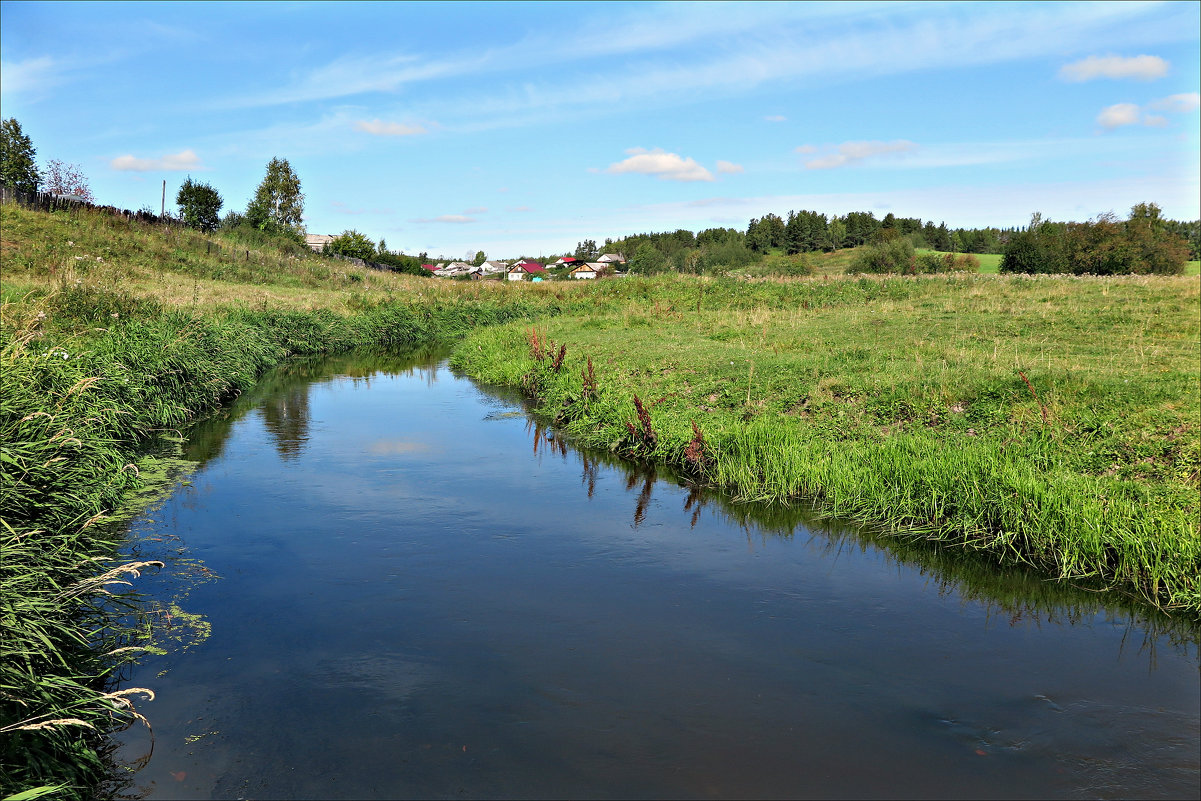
(162, 209)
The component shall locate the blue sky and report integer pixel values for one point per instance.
(523, 128)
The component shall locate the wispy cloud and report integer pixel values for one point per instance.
(728, 167)
(1180, 104)
(661, 164)
(1142, 68)
(33, 74)
(357, 74)
(849, 153)
(892, 42)
(378, 127)
(775, 118)
(446, 218)
(172, 162)
(342, 208)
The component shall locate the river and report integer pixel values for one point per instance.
(405, 587)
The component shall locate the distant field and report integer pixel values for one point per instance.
(989, 262)
(840, 260)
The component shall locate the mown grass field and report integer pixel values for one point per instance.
(1048, 421)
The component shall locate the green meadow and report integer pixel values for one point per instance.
(1053, 422)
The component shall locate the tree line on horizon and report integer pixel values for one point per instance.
(1146, 242)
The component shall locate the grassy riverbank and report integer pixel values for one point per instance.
(1050, 421)
(110, 332)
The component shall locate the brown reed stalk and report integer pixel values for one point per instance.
(694, 454)
(1030, 387)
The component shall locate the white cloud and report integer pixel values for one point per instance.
(806, 149)
(1121, 114)
(477, 210)
(175, 162)
(855, 152)
(1143, 68)
(658, 162)
(378, 127)
(728, 167)
(775, 118)
(1181, 104)
(1117, 115)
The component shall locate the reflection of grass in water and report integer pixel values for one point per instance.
(1014, 594)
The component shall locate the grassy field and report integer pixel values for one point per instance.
(990, 263)
(1048, 421)
(985, 410)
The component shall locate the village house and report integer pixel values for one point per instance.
(493, 267)
(584, 271)
(612, 258)
(521, 269)
(318, 241)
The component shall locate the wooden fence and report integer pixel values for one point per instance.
(47, 201)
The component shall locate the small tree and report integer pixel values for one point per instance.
(278, 200)
(647, 259)
(479, 259)
(199, 205)
(66, 179)
(353, 244)
(17, 167)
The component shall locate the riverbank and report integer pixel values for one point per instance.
(111, 331)
(1049, 421)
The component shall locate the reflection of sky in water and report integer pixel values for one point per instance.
(423, 595)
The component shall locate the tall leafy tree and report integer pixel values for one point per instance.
(836, 233)
(278, 200)
(17, 167)
(479, 259)
(199, 205)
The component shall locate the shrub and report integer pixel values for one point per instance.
(782, 264)
(353, 244)
(893, 256)
(946, 263)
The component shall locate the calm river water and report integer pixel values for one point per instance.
(422, 595)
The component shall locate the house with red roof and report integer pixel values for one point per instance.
(521, 269)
